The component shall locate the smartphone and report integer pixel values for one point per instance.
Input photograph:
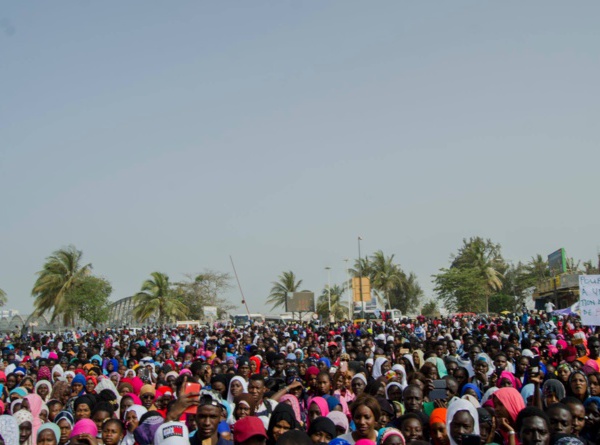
(499, 371)
(440, 384)
(471, 439)
(344, 366)
(438, 394)
(191, 387)
(535, 366)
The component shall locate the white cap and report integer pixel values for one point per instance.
(172, 433)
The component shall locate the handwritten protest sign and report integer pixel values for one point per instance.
(589, 299)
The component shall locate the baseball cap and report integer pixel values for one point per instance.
(209, 397)
(248, 427)
(332, 344)
(172, 433)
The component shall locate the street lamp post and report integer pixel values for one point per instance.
(328, 269)
(362, 301)
(350, 302)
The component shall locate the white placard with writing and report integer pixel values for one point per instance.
(589, 299)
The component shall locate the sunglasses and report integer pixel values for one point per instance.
(147, 396)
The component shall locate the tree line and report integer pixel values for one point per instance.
(66, 288)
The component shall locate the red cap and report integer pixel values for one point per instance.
(332, 343)
(248, 427)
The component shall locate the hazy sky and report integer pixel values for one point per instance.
(169, 135)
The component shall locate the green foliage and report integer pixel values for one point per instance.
(158, 299)
(339, 307)
(286, 283)
(3, 298)
(61, 272)
(388, 280)
(430, 309)
(476, 273)
(88, 300)
(205, 289)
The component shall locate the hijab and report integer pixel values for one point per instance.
(512, 401)
(45, 383)
(243, 383)
(322, 404)
(379, 361)
(52, 427)
(295, 405)
(35, 406)
(23, 416)
(474, 388)
(9, 430)
(456, 406)
(282, 411)
(340, 420)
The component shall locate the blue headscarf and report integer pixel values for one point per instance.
(326, 361)
(79, 378)
(474, 388)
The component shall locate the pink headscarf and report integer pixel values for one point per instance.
(322, 404)
(35, 407)
(137, 384)
(511, 400)
(85, 426)
(510, 377)
(136, 399)
(295, 405)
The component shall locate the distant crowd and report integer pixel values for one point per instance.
(528, 378)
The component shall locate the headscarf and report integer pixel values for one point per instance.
(377, 367)
(9, 430)
(44, 373)
(512, 401)
(384, 433)
(360, 376)
(45, 383)
(79, 378)
(243, 383)
(487, 396)
(137, 409)
(248, 400)
(282, 411)
(21, 417)
(438, 415)
(324, 424)
(57, 369)
(65, 415)
(84, 426)
(256, 361)
(149, 424)
(440, 365)
(295, 405)
(456, 406)
(52, 427)
(35, 407)
(527, 392)
(340, 420)
(474, 388)
(322, 404)
(516, 383)
(389, 385)
(400, 368)
(19, 391)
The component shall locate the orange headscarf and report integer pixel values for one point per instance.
(438, 415)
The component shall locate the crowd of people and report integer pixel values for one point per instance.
(528, 378)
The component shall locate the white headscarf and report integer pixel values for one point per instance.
(57, 369)
(456, 405)
(244, 385)
(399, 368)
(377, 367)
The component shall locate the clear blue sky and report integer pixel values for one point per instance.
(168, 135)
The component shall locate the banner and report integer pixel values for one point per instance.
(589, 299)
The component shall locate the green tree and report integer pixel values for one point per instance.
(88, 300)
(339, 307)
(386, 276)
(61, 272)
(407, 296)
(480, 265)
(205, 289)
(286, 283)
(430, 309)
(158, 298)
(3, 298)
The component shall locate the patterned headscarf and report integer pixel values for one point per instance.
(9, 430)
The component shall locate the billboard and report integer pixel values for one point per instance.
(300, 302)
(557, 262)
(357, 288)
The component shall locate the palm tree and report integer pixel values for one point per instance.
(386, 275)
(158, 298)
(538, 269)
(3, 299)
(339, 307)
(279, 292)
(488, 263)
(62, 271)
